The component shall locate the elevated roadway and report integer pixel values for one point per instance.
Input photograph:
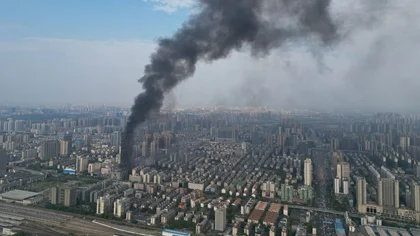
(316, 209)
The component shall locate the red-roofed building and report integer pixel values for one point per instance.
(275, 207)
(261, 205)
(255, 216)
(270, 218)
(237, 202)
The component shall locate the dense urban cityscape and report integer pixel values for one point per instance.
(209, 117)
(209, 171)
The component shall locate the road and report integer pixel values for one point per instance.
(321, 168)
(317, 209)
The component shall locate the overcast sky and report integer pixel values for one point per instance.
(79, 53)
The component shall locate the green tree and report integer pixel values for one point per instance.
(181, 225)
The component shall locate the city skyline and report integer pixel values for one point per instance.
(95, 57)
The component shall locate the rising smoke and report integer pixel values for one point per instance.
(219, 27)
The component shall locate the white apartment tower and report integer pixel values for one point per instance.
(361, 193)
(337, 185)
(121, 206)
(307, 169)
(103, 204)
(343, 173)
(415, 196)
(345, 186)
(220, 218)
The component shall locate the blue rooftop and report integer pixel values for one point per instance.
(339, 229)
(176, 232)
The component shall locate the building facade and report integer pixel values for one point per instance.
(220, 218)
(307, 169)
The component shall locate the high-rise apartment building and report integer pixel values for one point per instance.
(153, 148)
(404, 143)
(93, 167)
(104, 204)
(121, 206)
(220, 218)
(55, 191)
(49, 149)
(339, 172)
(343, 172)
(19, 125)
(66, 196)
(244, 146)
(29, 153)
(69, 138)
(269, 139)
(281, 140)
(345, 186)
(3, 162)
(144, 149)
(415, 197)
(116, 139)
(334, 144)
(11, 126)
(361, 193)
(87, 138)
(388, 193)
(64, 148)
(268, 190)
(307, 169)
(81, 164)
(337, 185)
(286, 193)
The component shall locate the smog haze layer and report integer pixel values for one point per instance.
(372, 69)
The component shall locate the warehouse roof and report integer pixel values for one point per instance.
(175, 232)
(18, 195)
(275, 207)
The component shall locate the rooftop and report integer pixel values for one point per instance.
(256, 215)
(271, 217)
(339, 227)
(18, 195)
(261, 205)
(176, 232)
(275, 207)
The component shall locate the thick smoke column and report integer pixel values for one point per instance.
(220, 27)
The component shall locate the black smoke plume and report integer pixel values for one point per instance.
(219, 27)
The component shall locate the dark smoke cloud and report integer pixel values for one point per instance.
(220, 27)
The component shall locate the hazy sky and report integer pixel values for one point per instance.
(93, 52)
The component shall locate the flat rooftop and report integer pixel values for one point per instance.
(18, 195)
(275, 207)
(256, 215)
(271, 218)
(176, 232)
(261, 205)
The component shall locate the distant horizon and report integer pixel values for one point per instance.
(182, 107)
(51, 56)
